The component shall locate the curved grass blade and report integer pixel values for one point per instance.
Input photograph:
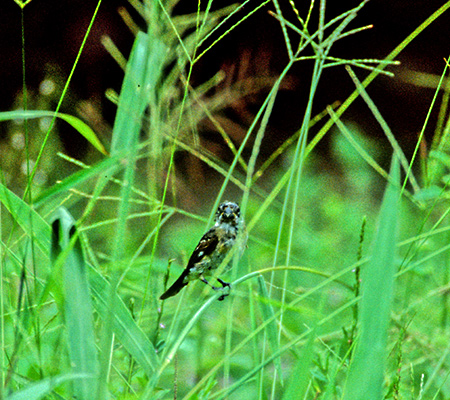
(82, 128)
(173, 346)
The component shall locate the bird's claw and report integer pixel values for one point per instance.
(224, 285)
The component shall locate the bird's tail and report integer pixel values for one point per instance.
(176, 286)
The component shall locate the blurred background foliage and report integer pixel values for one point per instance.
(175, 130)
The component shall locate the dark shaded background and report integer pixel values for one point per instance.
(54, 30)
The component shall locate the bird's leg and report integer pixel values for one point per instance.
(213, 287)
(224, 284)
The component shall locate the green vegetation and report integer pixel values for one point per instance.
(341, 294)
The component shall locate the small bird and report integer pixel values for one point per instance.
(228, 231)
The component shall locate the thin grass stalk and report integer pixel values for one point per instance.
(170, 169)
(387, 131)
(444, 138)
(211, 162)
(228, 339)
(438, 139)
(199, 28)
(196, 59)
(414, 248)
(445, 295)
(219, 128)
(276, 315)
(298, 159)
(286, 144)
(222, 394)
(63, 94)
(271, 332)
(251, 169)
(144, 243)
(174, 29)
(287, 41)
(428, 257)
(436, 371)
(29, 183)
(255, 343)
(438, 142)
(391, 56)
(363, 153)
(227, 178)
(29, 197)
(2, 309)
(20, 327)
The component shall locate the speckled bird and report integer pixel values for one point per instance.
(228, 231)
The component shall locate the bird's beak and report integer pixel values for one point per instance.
(228, 213)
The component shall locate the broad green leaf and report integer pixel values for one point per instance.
(366, 374)
(143, 72)
(78, 312)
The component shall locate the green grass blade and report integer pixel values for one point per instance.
(28, 219)
(126, 329)
(141, 78)
(391, 56)
(78, 310)
(129, 334)
(271, 328)
(81, 127)
(106, 167)
(38, 390)
(131, 100)
(174, 344)
(298, 383)
(139, 83)
(366, 374)
(387, 131)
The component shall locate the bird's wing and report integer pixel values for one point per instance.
(205, 247)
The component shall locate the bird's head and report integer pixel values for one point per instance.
(228, 212)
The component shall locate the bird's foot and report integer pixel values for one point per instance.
(224, 285)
